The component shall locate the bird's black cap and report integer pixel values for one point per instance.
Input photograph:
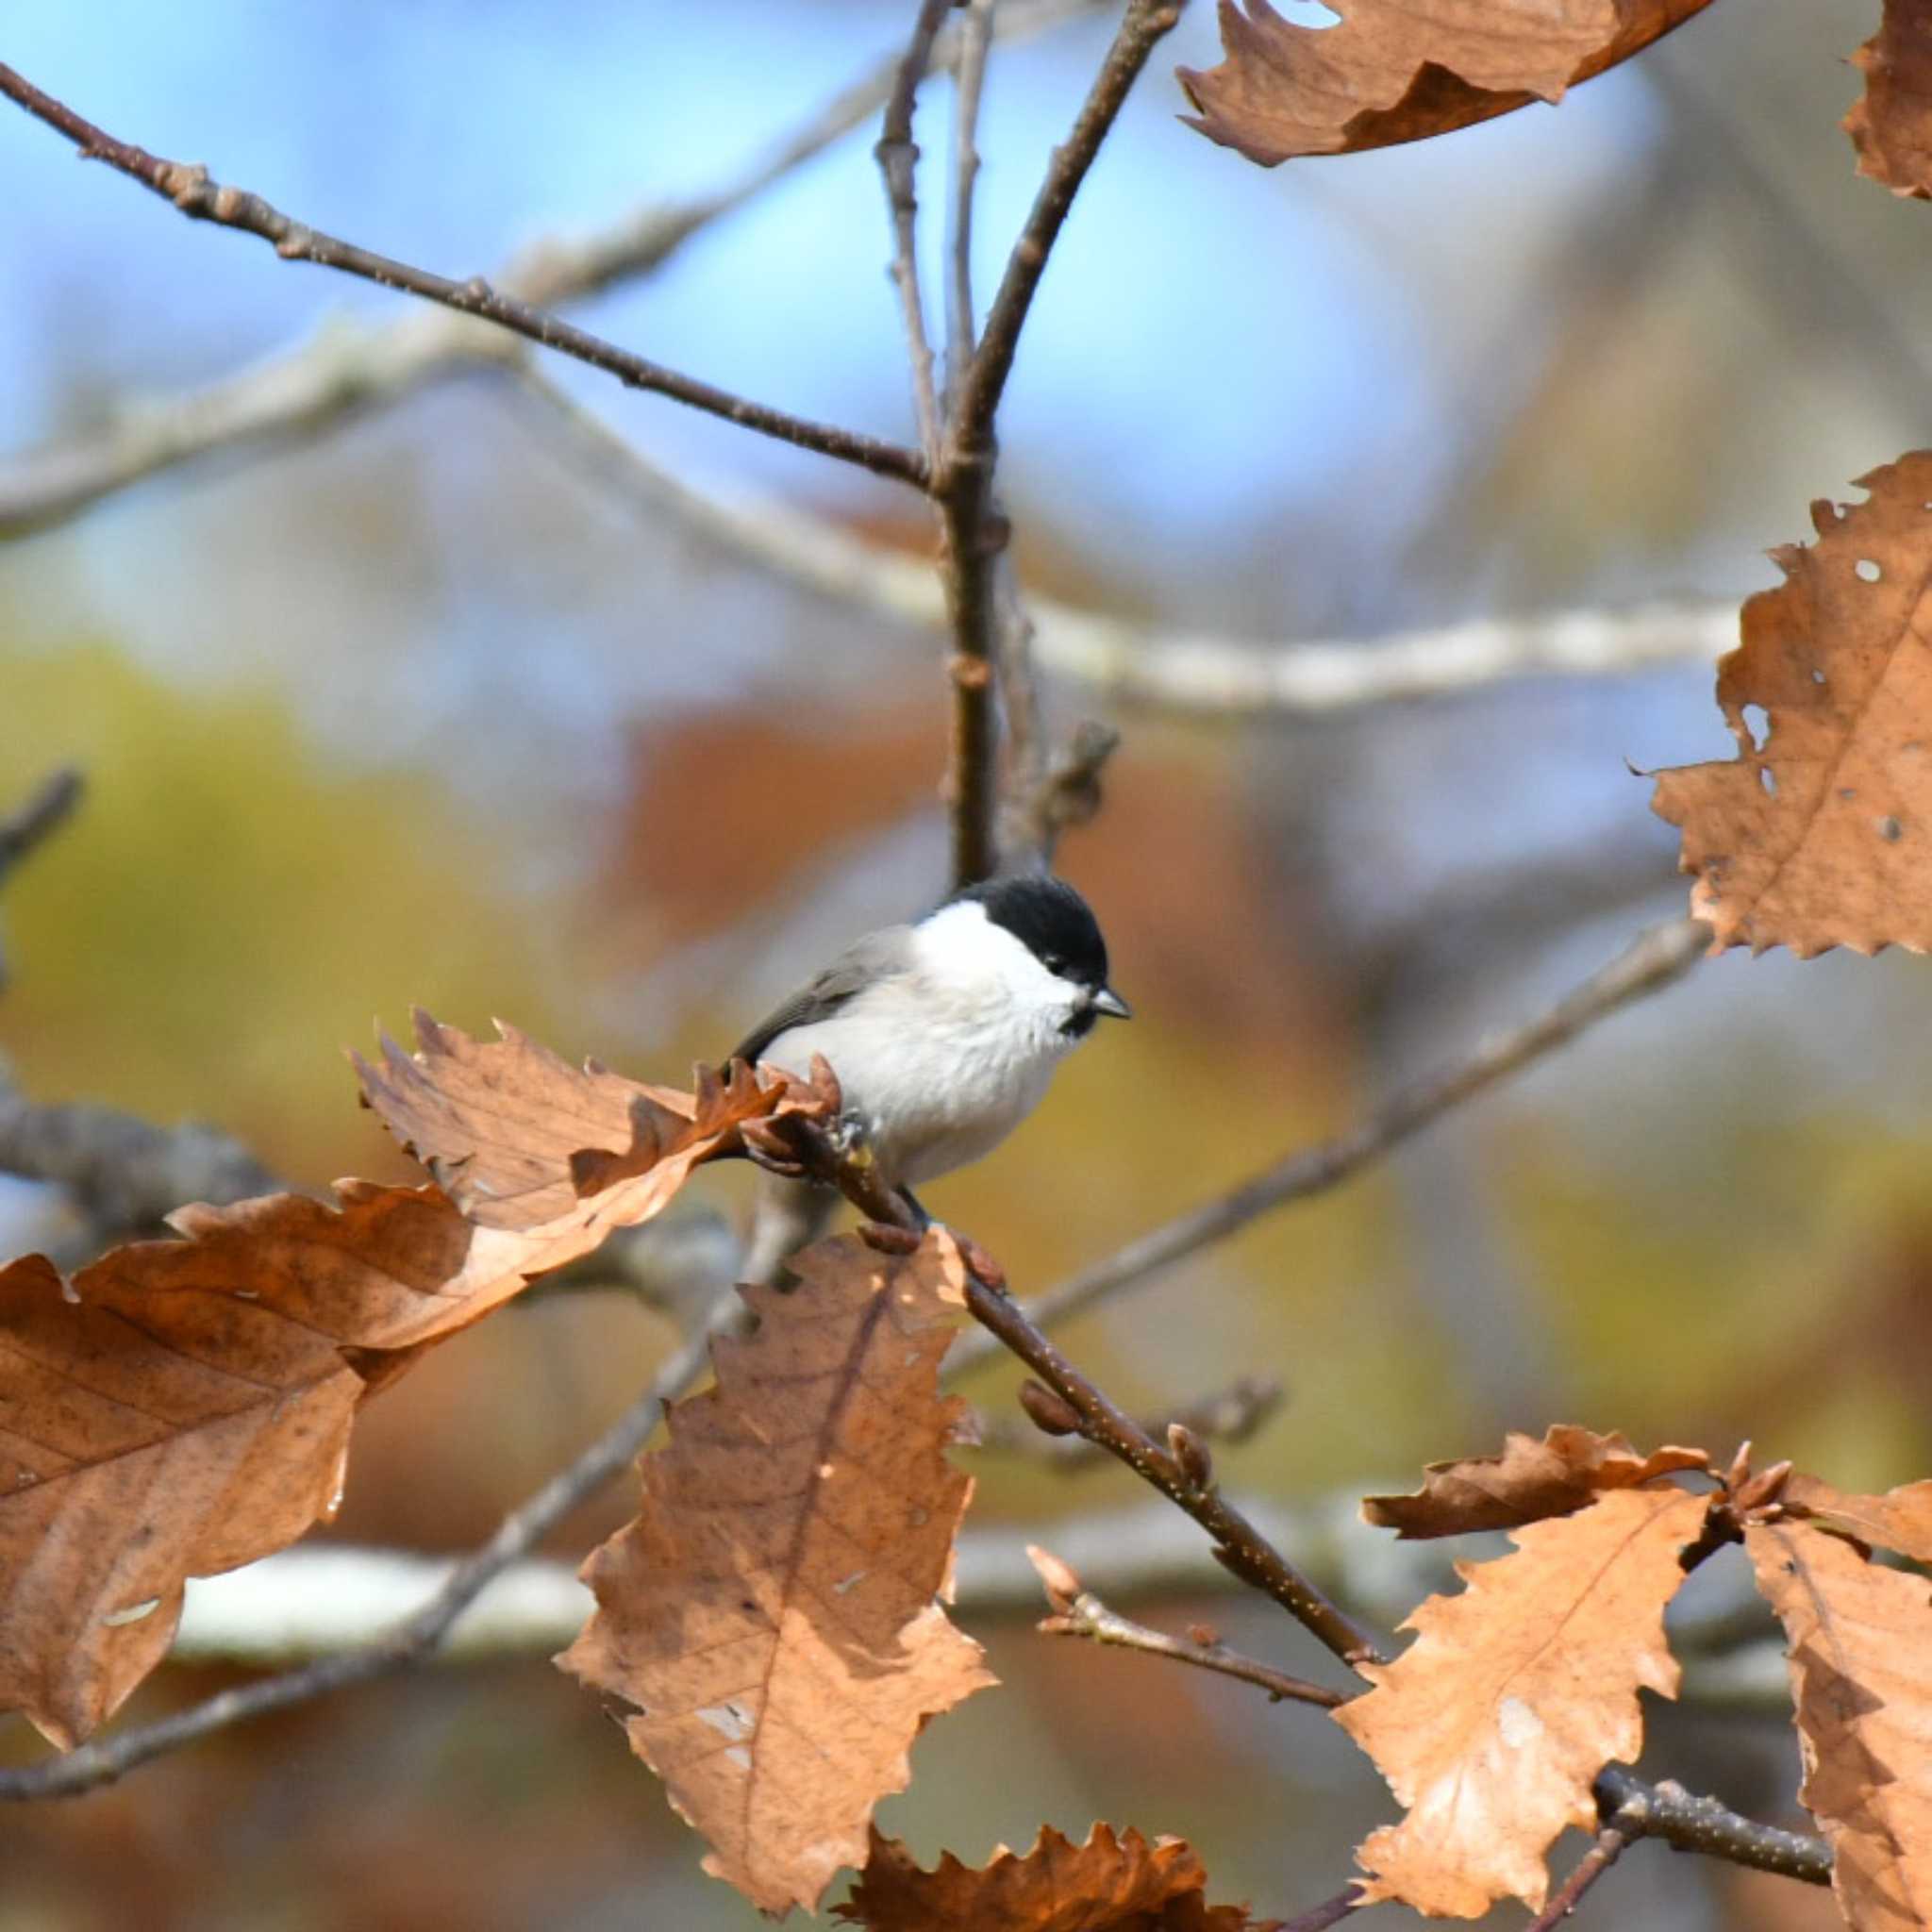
(1050, 918)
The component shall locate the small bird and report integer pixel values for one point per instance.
(945, 1033)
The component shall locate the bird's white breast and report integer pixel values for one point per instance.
(942, 1061)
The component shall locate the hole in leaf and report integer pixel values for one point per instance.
(1817, 676)
(132, 1614)
(1889, 830)
(1868, 569)
(1767, 779)
(1758, 723)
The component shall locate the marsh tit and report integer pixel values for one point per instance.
(945, 1033)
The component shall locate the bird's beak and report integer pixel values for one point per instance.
(1109, 1001)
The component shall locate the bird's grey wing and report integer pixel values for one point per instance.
(859, 966)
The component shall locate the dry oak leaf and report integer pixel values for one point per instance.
(180, 1407)
(1820, 835)
(1492, 1726)
(1899, 1520)
(773, 1613)
(1402, 70)
(1113, 1882)
(1528, 1481)
(1860, 1657)
(1891, 124)
(517, 1136)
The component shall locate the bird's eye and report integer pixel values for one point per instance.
(1053, 962)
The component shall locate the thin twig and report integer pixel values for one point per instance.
(417, 1635)
(198, 196)
(47, 809)
(1238, 1546)
(1658, 958)
(1146, 24)
(1330, 1913)
(1077, 1612)
(349, 366)
(898, 155)
(1232, 1415)
(1590, 1868)
(969, 81)
(1625, 1803)
(961, 482)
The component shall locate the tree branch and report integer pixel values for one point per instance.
(976, 37)
(897, 155)
(1147, 22)
(47, 809)
(1077, 1612)
(125, 1174)
(961, 481)
(1627, 1804)
(1590, 1868)
(1139, 665)
(417, 1635)
(201, 198)
(349, 366)
(1658, 958)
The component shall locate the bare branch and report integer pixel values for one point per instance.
(1658, 959)
(201, 198)
(1330, 1913)
(1146, 24)
(1139, 665)
(1077, 1612)
(1590, 1868)
(417, 1635)
(125, 1174)
(1627, 1805)
(46, 810)
(895, 1225)
(961, 481)
(897, 155)
(975, 36)
(349, 366)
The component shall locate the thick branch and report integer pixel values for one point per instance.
(417, 1635)
(961, 482)
(1135, 664)
(1658, 959)
(125, 1174)
(1627, 1804)
(201, 198)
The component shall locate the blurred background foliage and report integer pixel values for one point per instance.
(421, 713)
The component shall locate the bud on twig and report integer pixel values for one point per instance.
(1051, 1414)
(1059, 1579)
(1191, 1452)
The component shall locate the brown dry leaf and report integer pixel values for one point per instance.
(1401, 70)
(1110, 1884)
(500, 1123)
(179, 1407)
(773, 1613)
(1528, 1481)
(1491, 1727)
(1899, 1520)
(1820, 835)
(1891, 124)
(1860, 1652)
